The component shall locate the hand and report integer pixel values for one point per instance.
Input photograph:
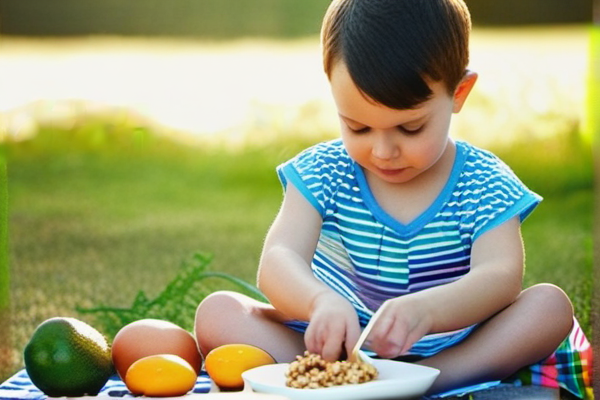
(401, 323)
(333, 325)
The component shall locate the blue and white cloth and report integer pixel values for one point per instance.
(20, 387)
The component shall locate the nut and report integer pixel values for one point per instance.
(310, 371)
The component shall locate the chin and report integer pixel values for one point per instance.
(400, 177)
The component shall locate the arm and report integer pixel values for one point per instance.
(286, 278)
(284, 273)
(493, 283)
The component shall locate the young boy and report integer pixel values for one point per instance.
(398, 216)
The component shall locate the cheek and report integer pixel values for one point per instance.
(355, 145)
(423, 153)
(435, 142)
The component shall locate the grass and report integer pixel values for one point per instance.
(102, 211)
(87, 212)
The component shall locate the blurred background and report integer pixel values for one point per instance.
(213, 66)
(137, 133)
(235, 18)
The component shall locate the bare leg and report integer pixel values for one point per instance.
(229, 317)
(524, 333)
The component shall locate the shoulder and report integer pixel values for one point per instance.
(482, 168)
(318, 171)
(327, 160)
(325, 154)
(481, 161)
(492, 188)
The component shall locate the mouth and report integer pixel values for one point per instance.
(391, 171)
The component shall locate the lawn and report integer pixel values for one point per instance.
(103, 211)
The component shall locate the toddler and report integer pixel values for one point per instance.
(396, 215)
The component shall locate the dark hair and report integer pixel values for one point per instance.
(392, 47)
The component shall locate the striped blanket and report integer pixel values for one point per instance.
(19, 387)
(569, 368)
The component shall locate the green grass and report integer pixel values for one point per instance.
(103, 211)
(4, 276)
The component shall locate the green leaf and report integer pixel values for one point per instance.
(178, 301)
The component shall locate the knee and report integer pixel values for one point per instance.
(213, 315)
(216, 304)
(554, 303)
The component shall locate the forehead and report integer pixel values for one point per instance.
(353, 104)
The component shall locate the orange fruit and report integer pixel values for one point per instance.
(226, 363)
(147, 337)
(160, 375)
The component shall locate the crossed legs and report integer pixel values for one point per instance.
(523, 333)
(229, 317)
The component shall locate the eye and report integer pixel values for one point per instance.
(366, 129)
(358, 130)
(411, 131)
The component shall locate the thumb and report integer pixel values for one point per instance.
(352, 334)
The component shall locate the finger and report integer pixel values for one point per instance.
(312, 340)
(352, 334)
(380, 333)
(382, 326)
(391, 342)
(397, 338)
(332, 342)
(332, 349)
(413, 337)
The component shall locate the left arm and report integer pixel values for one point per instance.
(494, 282)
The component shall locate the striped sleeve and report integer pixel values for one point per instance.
(498, 192)
(314, 172)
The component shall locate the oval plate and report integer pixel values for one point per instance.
(396, 380)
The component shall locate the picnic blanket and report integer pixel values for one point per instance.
(569, 368)
(20, 387)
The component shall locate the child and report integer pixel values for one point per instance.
(397, 215)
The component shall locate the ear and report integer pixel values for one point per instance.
(463, 89)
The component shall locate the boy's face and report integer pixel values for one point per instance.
(393, 145)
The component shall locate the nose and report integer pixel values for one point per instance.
(384, 147)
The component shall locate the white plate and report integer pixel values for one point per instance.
(396, 380)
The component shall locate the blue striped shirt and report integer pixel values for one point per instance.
(368, 256)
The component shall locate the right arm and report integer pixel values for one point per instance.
(286, 278)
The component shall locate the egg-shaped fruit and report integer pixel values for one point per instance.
(148, 337)
(160, 375)
(225, 364)
(67, 357)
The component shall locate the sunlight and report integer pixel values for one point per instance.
(532, 82)
(193, 87)
(529, 78)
